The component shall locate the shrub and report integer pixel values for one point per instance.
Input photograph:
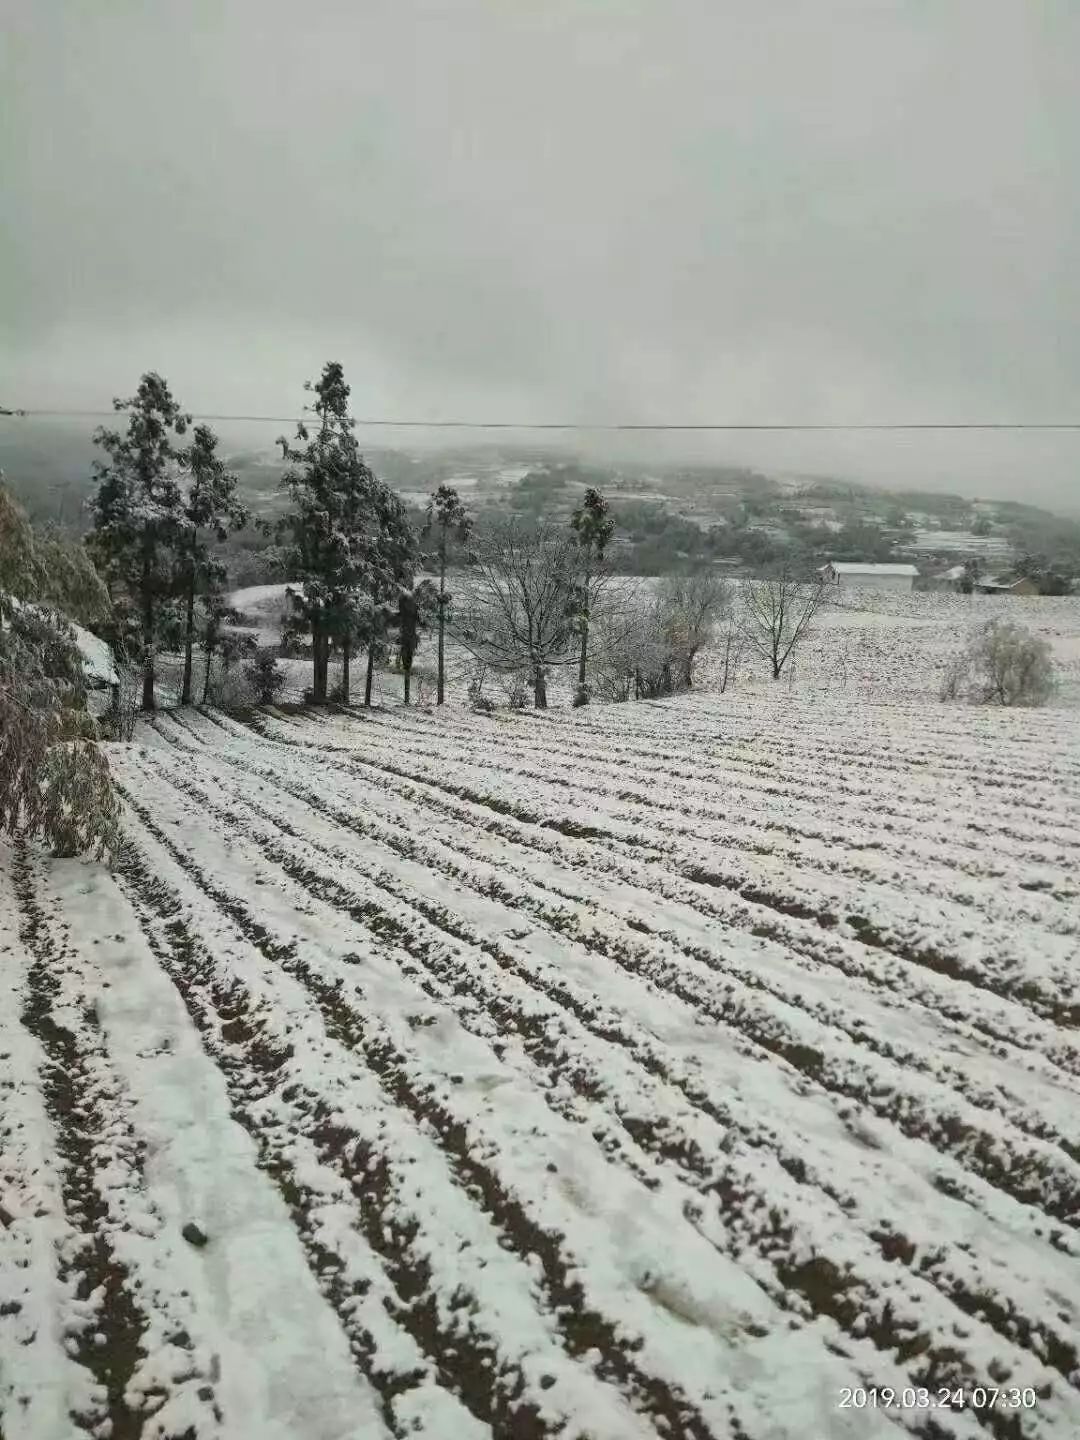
(118, 721)
(1003, 664)
(265, 676)
(477, 699)
(54, 778)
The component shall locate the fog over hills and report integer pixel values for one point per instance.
(47, 460)
(593, 213)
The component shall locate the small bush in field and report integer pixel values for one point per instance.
(265, 676)
(1003, 664)
(54, 777)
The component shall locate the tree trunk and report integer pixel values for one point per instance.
(408, 680)
(584, 639)
(539, 688)
(189, 635)
(370, 675)
(206, 673)
(320, 654)
(440, 690)
(147, 631)
(346, 657)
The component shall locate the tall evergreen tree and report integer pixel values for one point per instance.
(352, 543)
(138, 510)
(333, 523)
(593, 528)
(392, 570)
(450, 524)
(215, 615)
(211, 508)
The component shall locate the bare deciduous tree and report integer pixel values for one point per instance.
(518, 613)
(777, 615)
(731, 645)
(691, 605)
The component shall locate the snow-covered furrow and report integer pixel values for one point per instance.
(779, 894)
(423, 946)
(962, 1004)
(1051, 1116)
(42, 1385)
(871, 812)
(316, 926)
(802, 803)
(811, 761)
(938, 737)
(274, 1379)
(125, 1316)
(976, 945)
(938, 935)
(244, 1030)
(466, 1230)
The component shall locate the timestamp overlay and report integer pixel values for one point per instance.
(939, 1397)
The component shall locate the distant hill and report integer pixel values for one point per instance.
(668, 513)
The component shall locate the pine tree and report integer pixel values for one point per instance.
(392, 570)
(210, 509)
(352, 544)
(448, 521)
(593, 527)
(138, 510)
(216, 613)
(333, 524)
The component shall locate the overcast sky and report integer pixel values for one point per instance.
(652, 210)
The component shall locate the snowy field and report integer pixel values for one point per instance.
(867, 644)
(880, 645)
(671, 1070)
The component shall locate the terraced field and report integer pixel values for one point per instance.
(681, 1070)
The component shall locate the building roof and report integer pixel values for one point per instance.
(995, 582)
(857, 567)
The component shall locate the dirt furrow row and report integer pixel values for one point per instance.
(755, 1216)
(110, 1318)
(494, 1391)
(1032, 1175)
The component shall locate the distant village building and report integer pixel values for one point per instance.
(1021, 585)
(845, 574)
(960, 542)
(950, 579)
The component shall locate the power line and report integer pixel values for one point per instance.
(720, 426)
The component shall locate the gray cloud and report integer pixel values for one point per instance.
(605, 209)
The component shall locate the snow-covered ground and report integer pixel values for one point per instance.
(868, 644)
(664, 1070)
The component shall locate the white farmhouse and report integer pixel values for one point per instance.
(843, 574)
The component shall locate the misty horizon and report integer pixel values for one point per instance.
(590, 213)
